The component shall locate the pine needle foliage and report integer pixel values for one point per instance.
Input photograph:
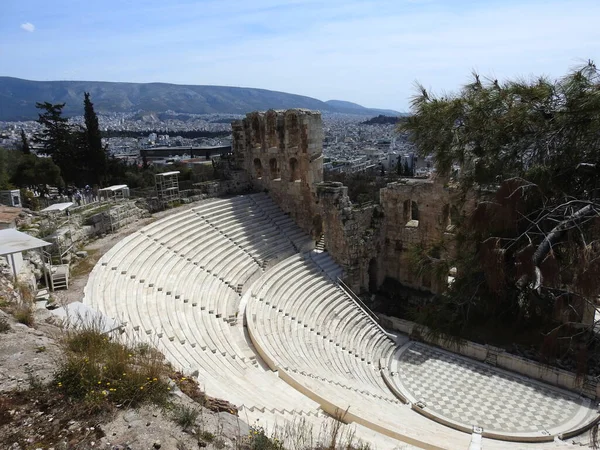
(525, 158)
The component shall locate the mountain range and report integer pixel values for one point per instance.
(18, 98)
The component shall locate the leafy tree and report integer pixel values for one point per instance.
(8, 161)
(46, 172)
(525, 159)
(27, 170)
(56, 133)
(60, 141)
(95, 155)
(24, 174)
(25, 143)
(33, 170)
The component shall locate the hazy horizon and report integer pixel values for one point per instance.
(370, 53)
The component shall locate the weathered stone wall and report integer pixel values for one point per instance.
(373, 243)
(238, 182)
(417, 213)
(352, 235)
(282, 151)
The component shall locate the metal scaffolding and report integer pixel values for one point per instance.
(167, 187)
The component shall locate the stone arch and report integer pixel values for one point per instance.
(317, 226)
(292, 129)
(426, 280)
(271, 134)
(274, 168)
(446, 222)
(256, 131)
(414, 211)
(454, 215)
(406, 210)
(373, 275)
(294, 170)
(258, 170)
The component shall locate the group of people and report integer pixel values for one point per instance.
(80, 196)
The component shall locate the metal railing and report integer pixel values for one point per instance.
(360, 304)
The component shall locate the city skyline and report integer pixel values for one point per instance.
(370, 53)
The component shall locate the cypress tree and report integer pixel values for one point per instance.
(25, 143)
(95, 157)
(59, 140)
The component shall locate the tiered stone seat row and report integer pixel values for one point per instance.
(306, 324)
(326, 264)
(176, 284)
(324, 345)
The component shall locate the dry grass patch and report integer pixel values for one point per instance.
(23, 314)
(184, 416)
(21, 310)
(301, 435)
(84, 266)
(104, 372)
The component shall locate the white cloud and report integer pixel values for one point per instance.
(27, 26)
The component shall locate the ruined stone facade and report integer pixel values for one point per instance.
(417, 213)
(373, 242)
(282, 151)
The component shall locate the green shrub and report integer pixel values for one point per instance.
(103, 371)
(258, 440)
(24, 314)
(185, 416)
(207, 436)
(35, 382)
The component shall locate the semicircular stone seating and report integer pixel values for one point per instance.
(177, 284)
(230, 293)
(320, 341)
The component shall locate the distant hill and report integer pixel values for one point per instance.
(383, 120)
(18, 98)
(354, 108)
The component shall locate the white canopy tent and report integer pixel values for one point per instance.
(13, 242)
(116, 191)
(57, 207)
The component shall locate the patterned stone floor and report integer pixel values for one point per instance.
(474, 394)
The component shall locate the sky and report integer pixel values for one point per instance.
(368, 52)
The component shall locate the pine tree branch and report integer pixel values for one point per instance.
(554, 236)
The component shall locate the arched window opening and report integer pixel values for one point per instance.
(256, 132)
(454, 215)
(406, 210)
(414, 211)
(271, 129)
(258, 168)
(274, 168)
(446, 217)
(294, 170)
